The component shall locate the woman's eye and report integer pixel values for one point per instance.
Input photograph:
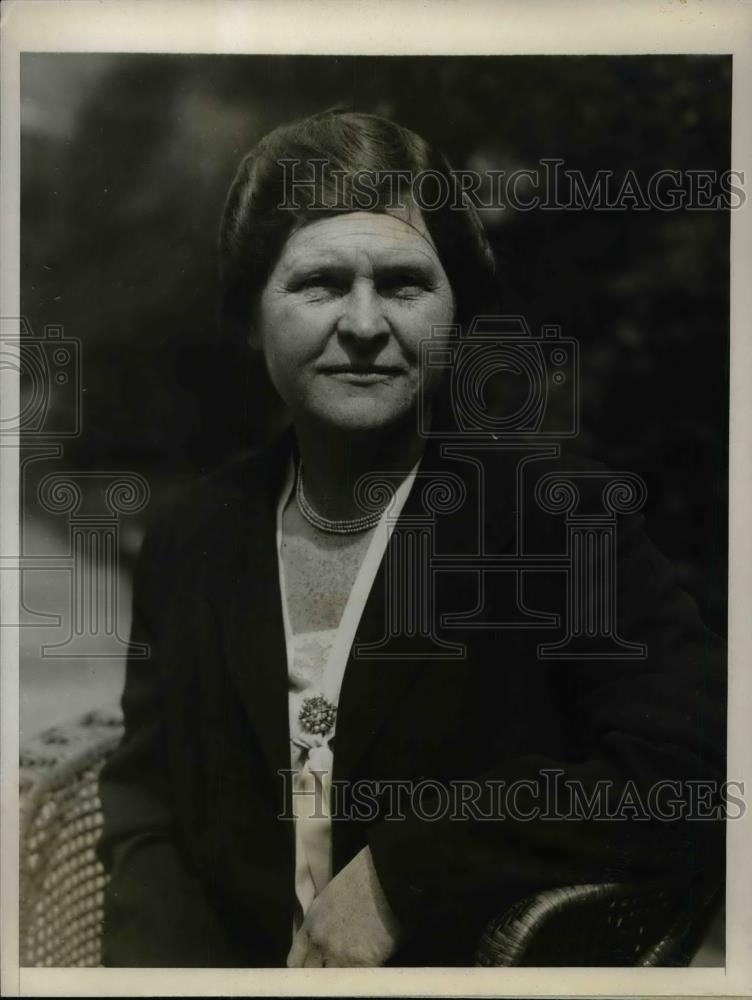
(320, 285)
(409, 291)
(405, 286)
(325, 286)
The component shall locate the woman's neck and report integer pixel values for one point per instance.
(333, 462)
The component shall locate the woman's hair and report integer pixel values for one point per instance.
(342, 161)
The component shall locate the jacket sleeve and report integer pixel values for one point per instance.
(157, 912)
(652, 757)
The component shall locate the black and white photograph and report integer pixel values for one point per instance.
(369, 418)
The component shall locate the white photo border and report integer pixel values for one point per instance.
(410, 27)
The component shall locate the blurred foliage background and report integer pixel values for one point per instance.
(126, 160)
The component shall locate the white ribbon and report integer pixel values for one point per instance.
(311, 790)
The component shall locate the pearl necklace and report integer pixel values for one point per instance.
(342, 527)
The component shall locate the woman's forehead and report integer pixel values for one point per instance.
(370, 233)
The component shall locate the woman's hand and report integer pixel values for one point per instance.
(349, 924)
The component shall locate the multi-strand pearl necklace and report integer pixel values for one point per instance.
(342, 527)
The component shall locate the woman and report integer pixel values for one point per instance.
(283, 669)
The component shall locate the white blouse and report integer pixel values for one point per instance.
(316, 663)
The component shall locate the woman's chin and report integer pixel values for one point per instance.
(366, 417)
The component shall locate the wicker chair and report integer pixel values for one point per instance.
(62, 882)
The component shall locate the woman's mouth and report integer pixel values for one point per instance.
(362, 374)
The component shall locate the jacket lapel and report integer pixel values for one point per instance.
(386, 659)
(391, 652)
(245, 588)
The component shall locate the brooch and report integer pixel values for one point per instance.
(317, 715)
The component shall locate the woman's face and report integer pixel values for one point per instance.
(343, 313)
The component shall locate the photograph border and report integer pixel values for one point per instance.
(410, 27)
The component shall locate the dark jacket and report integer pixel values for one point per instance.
(201, 864)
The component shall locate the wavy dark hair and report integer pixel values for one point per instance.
(332, 151)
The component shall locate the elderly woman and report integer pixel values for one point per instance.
(282, 791)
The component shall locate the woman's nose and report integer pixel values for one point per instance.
(363, 314)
